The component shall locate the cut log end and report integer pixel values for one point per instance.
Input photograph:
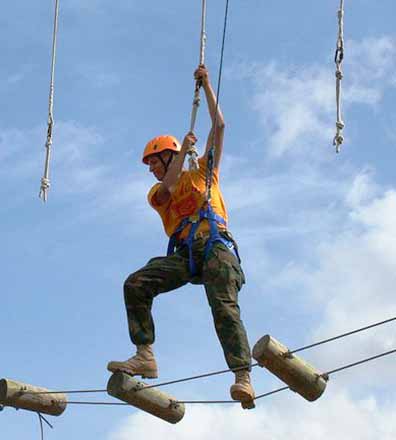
(300, 376)
(24, 396)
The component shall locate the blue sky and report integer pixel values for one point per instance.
(317, 230)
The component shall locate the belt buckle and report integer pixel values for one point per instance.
(201, 235)
(194, 218)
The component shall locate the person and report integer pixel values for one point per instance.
(201, 251)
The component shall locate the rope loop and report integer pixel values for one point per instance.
(338, 59)
(43, 194)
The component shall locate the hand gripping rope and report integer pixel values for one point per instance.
(339, 56)
(193, 153)
(45, 182)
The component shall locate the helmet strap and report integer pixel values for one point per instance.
(167, 163)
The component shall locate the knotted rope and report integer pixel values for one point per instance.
(192, 152)
(339, 56)
(45, 182)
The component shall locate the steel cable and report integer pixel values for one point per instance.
(219, 372)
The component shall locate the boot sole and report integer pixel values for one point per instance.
(246, 399)
(144, 375)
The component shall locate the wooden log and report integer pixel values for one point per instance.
(22, 396)
(130, 390)
(300, 376)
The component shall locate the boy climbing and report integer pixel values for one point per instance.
(201, 251)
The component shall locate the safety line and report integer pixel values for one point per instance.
(215, 373)
(354, 364)
(343, 335)
(210, 165)
(65, 392)
(324, 375)
(99, 403)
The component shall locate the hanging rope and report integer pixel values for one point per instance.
(41, 419)
(211, 152)
(339, 57)
(192, 152)
(45, 182)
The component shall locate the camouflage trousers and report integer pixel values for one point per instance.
(222, 277)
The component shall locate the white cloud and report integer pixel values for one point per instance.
(96, 76)
(297, 108)
(363, 189)
(351, 279)
(370, 63)
(74, 167)
(335, 415)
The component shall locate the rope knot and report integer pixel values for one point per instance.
(45, 184)
(193, 159)
(338, 140)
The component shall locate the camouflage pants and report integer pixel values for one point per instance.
(222, 278)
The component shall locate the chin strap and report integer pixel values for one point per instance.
(168, 162)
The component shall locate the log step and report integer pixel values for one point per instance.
(155, 402)
(300, 376)
(23, 396)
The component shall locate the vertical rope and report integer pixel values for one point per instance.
(45, 182)
(339, 57)
(211, 152)
(41, 419)
(193, 153)
(41, 426)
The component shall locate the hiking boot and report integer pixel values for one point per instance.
(142, 364)
(242, 390)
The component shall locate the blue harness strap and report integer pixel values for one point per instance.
(214, 235)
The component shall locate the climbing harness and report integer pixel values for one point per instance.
(207, 212)
(45, 182)
(339, 57)
(192, 152)
(215, 235)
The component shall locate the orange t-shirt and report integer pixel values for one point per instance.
(187, 198)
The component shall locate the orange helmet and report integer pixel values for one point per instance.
(160, 144)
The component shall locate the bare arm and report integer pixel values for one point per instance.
(175, 168)
(217, 130)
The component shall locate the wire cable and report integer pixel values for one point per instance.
(41, 419)
(260, 396)
(343, 335)
(215, 373)
(41, 426)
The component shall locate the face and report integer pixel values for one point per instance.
(156, 166)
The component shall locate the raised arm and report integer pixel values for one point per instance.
(174, 170)
(217, 130)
